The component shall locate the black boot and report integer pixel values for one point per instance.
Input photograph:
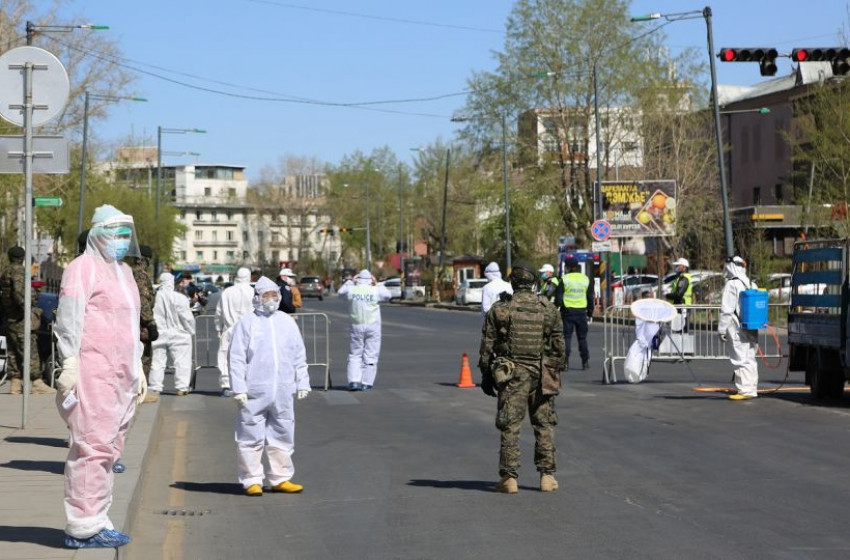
(585, 364)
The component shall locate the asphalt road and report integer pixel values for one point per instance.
(651, 471)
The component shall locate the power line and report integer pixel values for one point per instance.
(374, 17)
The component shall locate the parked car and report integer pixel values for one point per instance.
(779, 287)
(394, 286)
(312, 286)
(633, 286)
(708, 289)
(470, 291)
(696, 277)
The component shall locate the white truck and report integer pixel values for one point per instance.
(818, 315)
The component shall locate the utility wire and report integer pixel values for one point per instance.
(374, 17)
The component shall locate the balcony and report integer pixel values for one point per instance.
(219, 243)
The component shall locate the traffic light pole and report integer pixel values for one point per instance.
(721, 164)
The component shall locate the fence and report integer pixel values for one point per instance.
(698, 341)
(314, 327)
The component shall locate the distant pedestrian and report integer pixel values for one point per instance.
(549, 282)
(176, 326)
(742, 342)
(236, 302)
(576, 308)
(286, 281)
(268, 365)
(364, 345)
(494, 288)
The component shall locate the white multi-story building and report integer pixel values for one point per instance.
(228, 224)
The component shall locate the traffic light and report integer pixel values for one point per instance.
(838, 57)
(765, 56)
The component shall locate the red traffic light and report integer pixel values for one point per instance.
(765, 56)
(800, 55)
(728, 55)
(838, 57)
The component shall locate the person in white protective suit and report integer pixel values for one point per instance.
(268, 365)
(743, 342)
(236, 301)
(101, 380)
(176, 325)
(364, 342)
(494, 288)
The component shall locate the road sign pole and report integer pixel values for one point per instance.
(28, 157)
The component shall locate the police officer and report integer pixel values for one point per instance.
(549, 282)
(147, 326)
(577, 307)
(681, 292)
(12, 286)
(520, 360)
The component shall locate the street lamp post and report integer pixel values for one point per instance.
(83, 156)
(32, 28)
(503, 120)
(705, 13)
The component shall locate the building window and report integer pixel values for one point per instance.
(199, 235)
(230, 236)
(245, 255)
(183, 256)
(230, 256)
(197, 214)
(215, 256)
(778, 194)
(215, 216)
(207, 191)
(245, 236)
(199, 256)
(260, 236)
(275, 256)
(215, 235)
(756, 196)
(275, 237)
(231, 193)
(229, 215)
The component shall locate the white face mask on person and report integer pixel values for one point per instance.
(271, 305)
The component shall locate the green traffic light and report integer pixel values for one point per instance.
(764, 110)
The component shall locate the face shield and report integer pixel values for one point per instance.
(114, 238)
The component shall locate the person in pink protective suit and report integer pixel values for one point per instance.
(364, 342)
(268, 366)
(97, 331)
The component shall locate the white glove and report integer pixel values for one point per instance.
(723, 337)
(142, 390)
(302, 394)
(241, 398)
(67, 380)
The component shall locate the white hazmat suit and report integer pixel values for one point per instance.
(268, 365)
(364, 344)
(236, 302)
(97, 332)
(494, 288)
(176, 326)
(743, 342)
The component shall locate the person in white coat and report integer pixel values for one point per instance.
(236, 302)
(176, 326)
(268, 365)
(364, 345)
(743, 342)
(494, 287)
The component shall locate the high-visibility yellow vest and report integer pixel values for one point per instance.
(688, 298)
(575, 290)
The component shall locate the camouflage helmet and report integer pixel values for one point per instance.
(523, 275)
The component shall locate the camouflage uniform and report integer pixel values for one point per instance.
(147, 298)
(525, 333)
(12, 283)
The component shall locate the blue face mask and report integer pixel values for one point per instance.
(117, 248)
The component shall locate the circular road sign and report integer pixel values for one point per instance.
(50, 85)
(600, 230)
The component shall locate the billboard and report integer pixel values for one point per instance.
(639, 208)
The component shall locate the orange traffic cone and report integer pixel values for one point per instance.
(465, 375)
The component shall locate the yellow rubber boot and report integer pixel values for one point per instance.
(740, 397)
(254, 490)
(548, 483)
(288, 487)
(507, 485)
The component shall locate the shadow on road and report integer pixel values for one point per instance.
(52, 467)
(46, 441)
(45, 536)
(212, 487)
(480, 485)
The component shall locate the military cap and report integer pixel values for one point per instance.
(145, 251)
(16, 252)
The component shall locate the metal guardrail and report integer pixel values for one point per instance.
(698, 341)
(314, 327)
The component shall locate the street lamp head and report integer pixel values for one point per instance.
(646, 17)
(94, 27)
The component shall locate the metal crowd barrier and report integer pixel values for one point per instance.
(314, 327)
(698, 341)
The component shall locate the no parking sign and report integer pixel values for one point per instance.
(600, 230)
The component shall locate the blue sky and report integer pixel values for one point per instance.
(274, 46)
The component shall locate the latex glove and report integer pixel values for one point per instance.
(67, 380)
(302, 394)
(242, 399)
(723, 337)
(488, 385)
(142, 391)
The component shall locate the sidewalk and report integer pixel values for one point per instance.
(32, 462)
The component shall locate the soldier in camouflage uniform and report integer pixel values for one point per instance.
(12, 286)
(147, 331)
(522, 353)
